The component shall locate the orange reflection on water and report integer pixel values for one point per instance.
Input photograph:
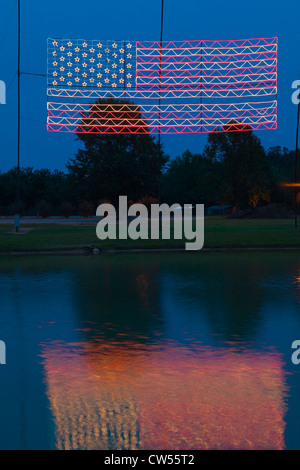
(110, 396)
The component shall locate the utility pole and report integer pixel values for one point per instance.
(17, 216)
(159, 100)
(296, 165)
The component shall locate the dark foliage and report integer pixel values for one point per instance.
(233, 169)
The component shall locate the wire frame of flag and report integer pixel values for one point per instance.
(173, 87)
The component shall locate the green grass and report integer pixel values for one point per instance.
(219, 233)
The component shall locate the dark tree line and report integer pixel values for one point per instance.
(218, 176)
(233, 169)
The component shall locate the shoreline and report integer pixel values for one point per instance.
(89, 252)
(221, 235)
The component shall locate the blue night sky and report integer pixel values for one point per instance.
(130, 20)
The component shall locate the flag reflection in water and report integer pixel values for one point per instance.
(107, 395)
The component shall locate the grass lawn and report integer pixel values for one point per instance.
(219, 233)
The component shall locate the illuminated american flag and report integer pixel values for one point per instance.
(172, 87)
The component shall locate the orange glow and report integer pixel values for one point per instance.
(291, 185)
(118, 396)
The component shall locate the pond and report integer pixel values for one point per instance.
(150, 351)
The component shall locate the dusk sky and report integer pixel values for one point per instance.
(130, 20)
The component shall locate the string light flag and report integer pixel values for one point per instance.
(172, 87)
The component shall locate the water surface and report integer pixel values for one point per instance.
(150, 351)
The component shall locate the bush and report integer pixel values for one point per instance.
(86, 209)
(67, 209)
(43, 209)
(11, 210)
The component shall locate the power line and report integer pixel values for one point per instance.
(17, 223)
(296, 165)
(34, 74)
(12, 81)
(159, 101)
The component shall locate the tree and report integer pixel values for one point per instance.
(67, 209)
(115, 164)
(193, 179)
(282, 164)
(35, 186)
(247, 175)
